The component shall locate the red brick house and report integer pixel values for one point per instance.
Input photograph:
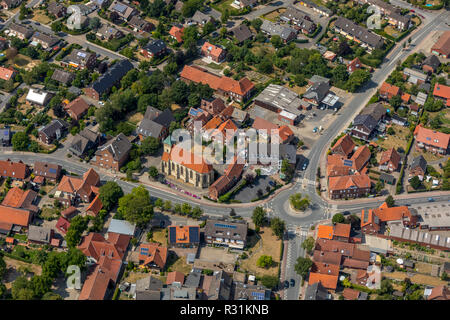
(431, 140)
(153, 255)
(213, 52)
(352, 186)
(113, 154)
(390, 160)
(176, 32)
(14, 170)
(387, 91)
(77, 108)
(344, 146)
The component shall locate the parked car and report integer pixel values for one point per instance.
(286, 284)
(430, 200)
(292, 283)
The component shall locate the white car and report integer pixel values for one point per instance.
(101, 103)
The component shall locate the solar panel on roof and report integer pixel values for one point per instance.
(348, 163)
(194, 235)
(52, 170)
(172, 235)
(144, 251)
(120, 7)
(221, 225)
(258, 295)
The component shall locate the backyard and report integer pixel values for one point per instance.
(398, 139)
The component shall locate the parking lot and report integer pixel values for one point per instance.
(248, 193)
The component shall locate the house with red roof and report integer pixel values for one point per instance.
(77, 108)
(62, 224)
(230, 177)
(352, 186)
(432, 140)
(387, 91)
(152, 255)
(327, 281)
(373, 220)
(439, 293)
(442, 92)
(184, 236)
(360, 158)
(213, 52)
(390, 160)
(176, 32)
(13, 170)
(337, 167)
(353, 65)
(175, 276)
(338, 231)
(344, 146)
(14, 217)
(7, 73)
(237, 90)
(21, 199)
(95, 206)
(72, 189)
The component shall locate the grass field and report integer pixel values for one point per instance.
(159, 235)
(417, 278)
(271, 246)
(178, 264)
(48, 213)
(135, 118)
(396, 140)
(40, 17)
(429, 156)
(12, 267)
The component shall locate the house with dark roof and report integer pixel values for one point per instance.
(57, 9)
(62, 76)
(285, 33)
(184, 236)
(5, 137)
(155, 48)
(418, 167)
(123, 11)
(363, 126)
(49, 171)
(359, 34)
(140, 25)
(241, 33)
(299, 19)
(155, 123)
(201, 18)
(53, 131)
(45, 40)
(107, 80)
(84, 142)
(20, 31)
(241, 291)
(387, 178)
(316, 93)
(114, 153)
(107, 32)
(228, 234)
(430, 64)
(316, 291)
(80, 59)
(10, 4)
(40, 235)
(149, 289)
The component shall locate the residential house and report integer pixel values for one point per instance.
(13, 170)
(421, 98)
(344, 146)
(77, 108)
(442, 92)
(45, 40)
(107, 32)
(406, 98)
(80, 59)
(20, 31)
(140, 25)
(152, 255)
(418, 167)
(285, 33)
(363, 126)
(316, 93)
(414, 109)
(431, 140)
(352, 294)
(338, 231)
(351, 186)
(57, 9)
(201, 19)
(241, 33)
(326, 280)
(113, 154)
(155, 48)
(84, 142)
(71, 189)
(184, 236)
(149, 289)
(395, 119)
(317, 8)
(155, 123)
(360, 158)
(14, 219)
(228, 234)
(62, 76)
(243, 291)
(38, 97)
(316, 291)
(93, 209)
(21, 199)
(316, 79)
(5, 137)
(214, 106)
(338, 165)
(39, 235)
(442, 45)
(175, 276)
(390, 160)
(176, 32)
(10, 4)
(237, 90)
(7, 73)
(353, 65)
(299, 19)
(414, 76)
(62, 225)
(387, 91)
(431, 64)
(359, 34)
(123, 11)
(186, 166)
(245, 3)
(439, 293)
(53, 131)
(49, 171)
(215, 53)
(106, 81)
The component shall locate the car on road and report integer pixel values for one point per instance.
(286, 284)
(37, 23)
(430, 200)
(346, 213)
(292, 283)
(101, 103)
(412, 10)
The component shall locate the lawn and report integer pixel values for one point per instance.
(417, 278)
(21, 60)
(49, 213)
(40, 17)
(271, 246)
(392, 31)
(135, 118)
(428, 156)
(273, 16)
(175, 263)
(396, 140)
(159, 235)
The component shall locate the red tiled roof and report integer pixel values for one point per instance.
(346, 182)
(406, 97)
(177, 33)
(443, 43)
(95, 245)
(12, 169)
(188, 159)
(325, 268)
(327, 281)
(354, 264)
(18, 198)
(342, 230)
(345, 144)
(63, 224)
(285, 133)
(391, 156)
(441, 91)
(6, 73)
(327, 257)
(384, 213)
(439, 293)
(155, 254)
(69, 212)
(214, 123)
(95, 206)
(262, 124)
(325, 232)
(350, 294)
(344, 248)
(16, 216)
(77, 107)
(432, 137)
(361, 157)
(175, 276)
(213, 50)
(354, 64)
(227, 125)
(387, 88)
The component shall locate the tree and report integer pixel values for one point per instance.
(153, 172)
(11, 53)
(21, 289)
(257, 23)
(197, 212)
(159, 203)
(391, 131)
(77, 226)
(20, 141)
(298, 202)
(395, 101)
(94, 23)
(415, 182)
(259, 216)
(265, 66)
(167, 205)
(390, 201)
(444, 276)
(308, 244)
(386, 287)
(278, 226)
(109, 194)
(150, 146)
(2, 267)
(51, 296)
(190, 6)
(338, 218)
(186, 208)
(276, 41)
(264, 261)
(303, 266)
(287, 169)
(136, 207)
(225, 16)
(269, 281)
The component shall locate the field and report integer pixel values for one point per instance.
(417, 278)
(396, 140)
(13, 266)
(268, 245)
(40, 17)
(49, 213)
(429, 156)
(135, 118)
(273, 16)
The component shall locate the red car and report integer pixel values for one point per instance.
(412, 10)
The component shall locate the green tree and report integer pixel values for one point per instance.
(167, 205)
(109, 194)
(390, 201)
(264, 261)
(153, 172)
(303, 266)
(269, 281)
(2, 267)
(150, 146)
(415, 182)
(278, 227)
(298, 202)
(186, 208)
(77, 226)
(51, 296)
(20, 141)
(21, 289)
(136, 207)
(276, 41)
(391, 131)
(338, 218)
(259, 216)
(257, 23)
(265, 66)
(308, 244)
(159, 203)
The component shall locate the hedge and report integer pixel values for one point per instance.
(16, 257)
